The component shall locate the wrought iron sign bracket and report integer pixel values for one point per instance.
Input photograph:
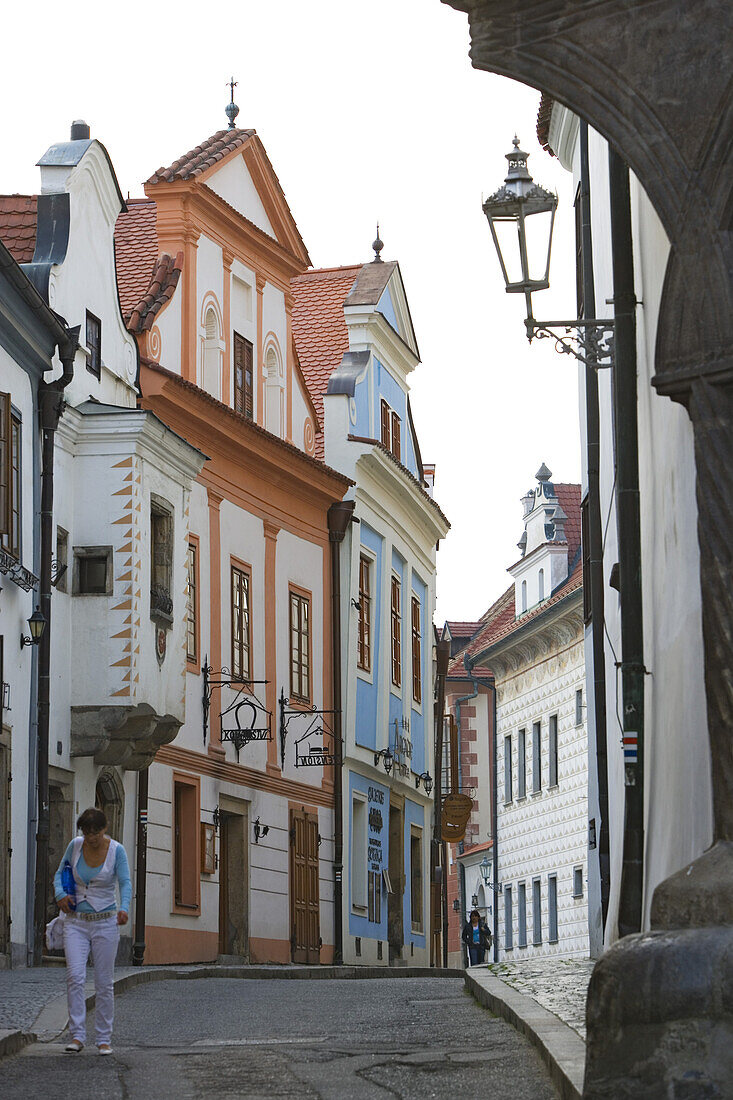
(319, 726)
(245, 703)
(589, 340)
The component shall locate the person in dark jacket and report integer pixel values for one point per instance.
(476, 937)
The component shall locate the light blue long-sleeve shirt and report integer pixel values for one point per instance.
(87, 873)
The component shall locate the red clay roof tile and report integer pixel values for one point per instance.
(203, 156)
(319, 328)
(18, 214)
(136, 252)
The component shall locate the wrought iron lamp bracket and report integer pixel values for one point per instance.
(589, 340)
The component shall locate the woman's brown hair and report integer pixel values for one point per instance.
(91, 820)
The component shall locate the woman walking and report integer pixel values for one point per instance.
(92, 921)
(477, 937)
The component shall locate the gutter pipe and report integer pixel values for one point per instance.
(439, 845)
(340, 515)
(594, 581)
(629, 540)
(51, 404)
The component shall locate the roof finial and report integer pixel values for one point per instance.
(231, 110)
(377, 245)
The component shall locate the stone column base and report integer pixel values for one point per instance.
(660, 1004)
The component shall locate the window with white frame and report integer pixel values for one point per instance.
(358, 853)
(552, 908)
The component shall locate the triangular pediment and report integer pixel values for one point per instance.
(393, 306)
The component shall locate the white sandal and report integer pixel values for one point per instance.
(74, 1047)
(104, 1048)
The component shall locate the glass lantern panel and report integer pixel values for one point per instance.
(507, 234)
(537, 232)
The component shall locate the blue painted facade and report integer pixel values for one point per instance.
(414, 815)
(377, 796)
(417, 717)
(367, 691)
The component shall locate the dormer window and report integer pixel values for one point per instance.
(391, 430)
(94, 345)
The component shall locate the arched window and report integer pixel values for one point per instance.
(541, 584)
(211, 372)
(275, 394)
(524, 595)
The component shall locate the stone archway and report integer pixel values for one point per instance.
(109, 796)
(653, 77)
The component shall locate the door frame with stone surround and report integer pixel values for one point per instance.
(305, 901)
(233, 878)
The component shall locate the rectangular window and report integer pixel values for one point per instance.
(92, 571)
(192, 603)
(416, 880)
(300, 655)
(536, 911)
(359, 854)
(61, 566)
(416, 651)
(375, 897)
(522, 764)
(385, 425)
(396, 618)
(585, 545)
(450, 746)
(552, 908)
(396, 437)
(10, 480)
(522, 908)
(94, 344)
(161, 562)
(186, 843)
(241, 624)
(508, 769)
(553, 750)
(577, 882)
(243, 369)
(508, 918)
(364, 653)
(536, 757)
(579, 707)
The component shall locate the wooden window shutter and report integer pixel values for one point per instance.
(396, 440)
(6, 464)
(248, 384)
(238, 373)
(385, 425)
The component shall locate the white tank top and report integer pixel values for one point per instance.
(100, 892)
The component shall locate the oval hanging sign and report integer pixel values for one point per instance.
(454, 816)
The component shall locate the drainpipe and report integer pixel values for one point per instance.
(594, 581)
(629, 539)
(458, 701)
(51, 404)
(495, 820)
(440, 851)
(141, 859)
(340, 515)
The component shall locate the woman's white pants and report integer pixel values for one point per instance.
(102, 937)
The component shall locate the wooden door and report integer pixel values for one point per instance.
(4, 848)
(223, 887)
(233, 878)
(305, 923)
(395, 913)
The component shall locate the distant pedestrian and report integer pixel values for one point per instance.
(477, 937)
(85, 892)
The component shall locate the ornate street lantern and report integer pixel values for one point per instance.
(36, 625)
(521, 217)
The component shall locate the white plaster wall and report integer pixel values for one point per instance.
(274, 331)
(87, 280)
(545, 833)
(301, 412)
(168, 324)
(209, 281)
(233, 183)
(16, 606)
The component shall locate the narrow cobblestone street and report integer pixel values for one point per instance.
(332, 1039)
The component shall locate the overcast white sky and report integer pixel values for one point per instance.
(369, 111)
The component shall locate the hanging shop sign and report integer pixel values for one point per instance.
(317, 744)
(245, 719)
(454, 816)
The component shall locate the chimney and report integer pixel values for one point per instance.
(80, 130)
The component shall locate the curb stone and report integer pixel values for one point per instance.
(561, 1049)
(13, 1041)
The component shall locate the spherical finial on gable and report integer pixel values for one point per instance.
(231, 110)
(377, 245)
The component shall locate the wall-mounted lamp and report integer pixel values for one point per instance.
(427, 782)
(36, 625)
(456, 905)
(525, 261)
(260, 830)
(474, 901)
(485, 869)
(216, 818)
(356, 603)
(386, 757)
